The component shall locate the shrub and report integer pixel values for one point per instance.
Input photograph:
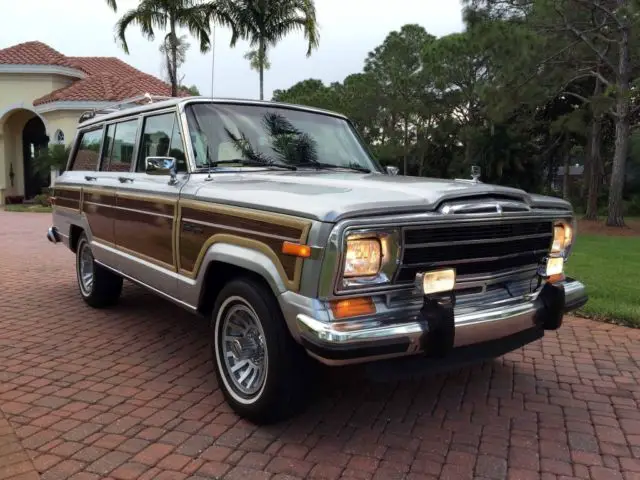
(43, 199)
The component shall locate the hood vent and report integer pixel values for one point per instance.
(489, 204)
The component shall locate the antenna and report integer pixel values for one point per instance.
(213, 55)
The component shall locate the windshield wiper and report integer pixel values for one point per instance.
(248, 163)
(331, 166)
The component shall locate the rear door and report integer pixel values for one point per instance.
(92, 191)
(148, 205)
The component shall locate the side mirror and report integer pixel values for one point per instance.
(392, 170)
(161, 166)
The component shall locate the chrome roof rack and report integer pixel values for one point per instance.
(123, 105)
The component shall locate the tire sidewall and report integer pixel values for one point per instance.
(274, 332)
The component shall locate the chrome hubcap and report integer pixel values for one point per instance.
(86, 269)
(244, 349)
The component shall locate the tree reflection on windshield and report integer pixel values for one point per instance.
(290, 145)
(224, 134)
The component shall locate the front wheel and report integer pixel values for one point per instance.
(99, 287)
(260, 369)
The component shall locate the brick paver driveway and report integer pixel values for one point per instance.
(129, 393)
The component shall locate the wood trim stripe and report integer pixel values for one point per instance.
(293, 228)
(292, 284)
(148, 198)
(303, 226)
(243, 212)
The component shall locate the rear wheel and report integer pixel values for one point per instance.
(260, 369)
(99, 287)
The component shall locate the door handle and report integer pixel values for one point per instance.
(125, 179)
(89, 178)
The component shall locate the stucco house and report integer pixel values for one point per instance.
(42, 95)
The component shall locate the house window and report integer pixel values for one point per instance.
(58, 137)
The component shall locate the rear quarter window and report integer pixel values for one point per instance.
(87, 154)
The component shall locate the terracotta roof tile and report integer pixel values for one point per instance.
(107, 78)
(108, 87)
(33, 53)
(96, 65)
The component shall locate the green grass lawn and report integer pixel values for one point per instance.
(27, 208)
(610, 268)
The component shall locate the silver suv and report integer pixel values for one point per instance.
(275, 223)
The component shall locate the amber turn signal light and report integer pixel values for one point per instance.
(558, 277)
(296, 250)
(352, 307)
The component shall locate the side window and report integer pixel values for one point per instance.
(86, 157)
(161, 138)
(120, 142)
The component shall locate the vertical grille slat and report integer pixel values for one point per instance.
(506, 247)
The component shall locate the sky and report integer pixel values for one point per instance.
(349, 29)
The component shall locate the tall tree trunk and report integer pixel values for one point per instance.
(406, 145)
(567, 166)
(586, 176)
(423, 156)
(615, 215)
(261, 56)
(468, 153)
(174, 59)
(595, 159)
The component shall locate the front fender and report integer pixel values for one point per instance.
(247, 258)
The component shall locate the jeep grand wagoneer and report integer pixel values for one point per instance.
(275, 223)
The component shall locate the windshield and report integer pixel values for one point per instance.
(222, 133)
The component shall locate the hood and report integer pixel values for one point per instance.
(331, 196)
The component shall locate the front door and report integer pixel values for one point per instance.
(34, 143)
(148, 205)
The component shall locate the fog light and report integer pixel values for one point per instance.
(555, 266)
(436, 281)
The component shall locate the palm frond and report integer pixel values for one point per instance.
(122, 25)
(195, 18)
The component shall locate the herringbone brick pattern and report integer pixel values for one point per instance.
(129, 393)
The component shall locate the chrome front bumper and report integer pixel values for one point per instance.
(367, 339)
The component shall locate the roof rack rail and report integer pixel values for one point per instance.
(123, 105)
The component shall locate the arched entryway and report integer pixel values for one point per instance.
(34, 141)
(23, 134)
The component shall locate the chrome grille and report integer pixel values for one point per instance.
(474, 250)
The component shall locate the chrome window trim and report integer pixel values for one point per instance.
(329, 287)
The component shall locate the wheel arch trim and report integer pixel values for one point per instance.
(247, 258)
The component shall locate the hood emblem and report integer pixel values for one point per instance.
(475, 173)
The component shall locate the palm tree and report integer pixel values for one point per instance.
(112, 4)
(172, 14)
(265, 22)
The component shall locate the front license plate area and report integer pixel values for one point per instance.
(438, 314)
